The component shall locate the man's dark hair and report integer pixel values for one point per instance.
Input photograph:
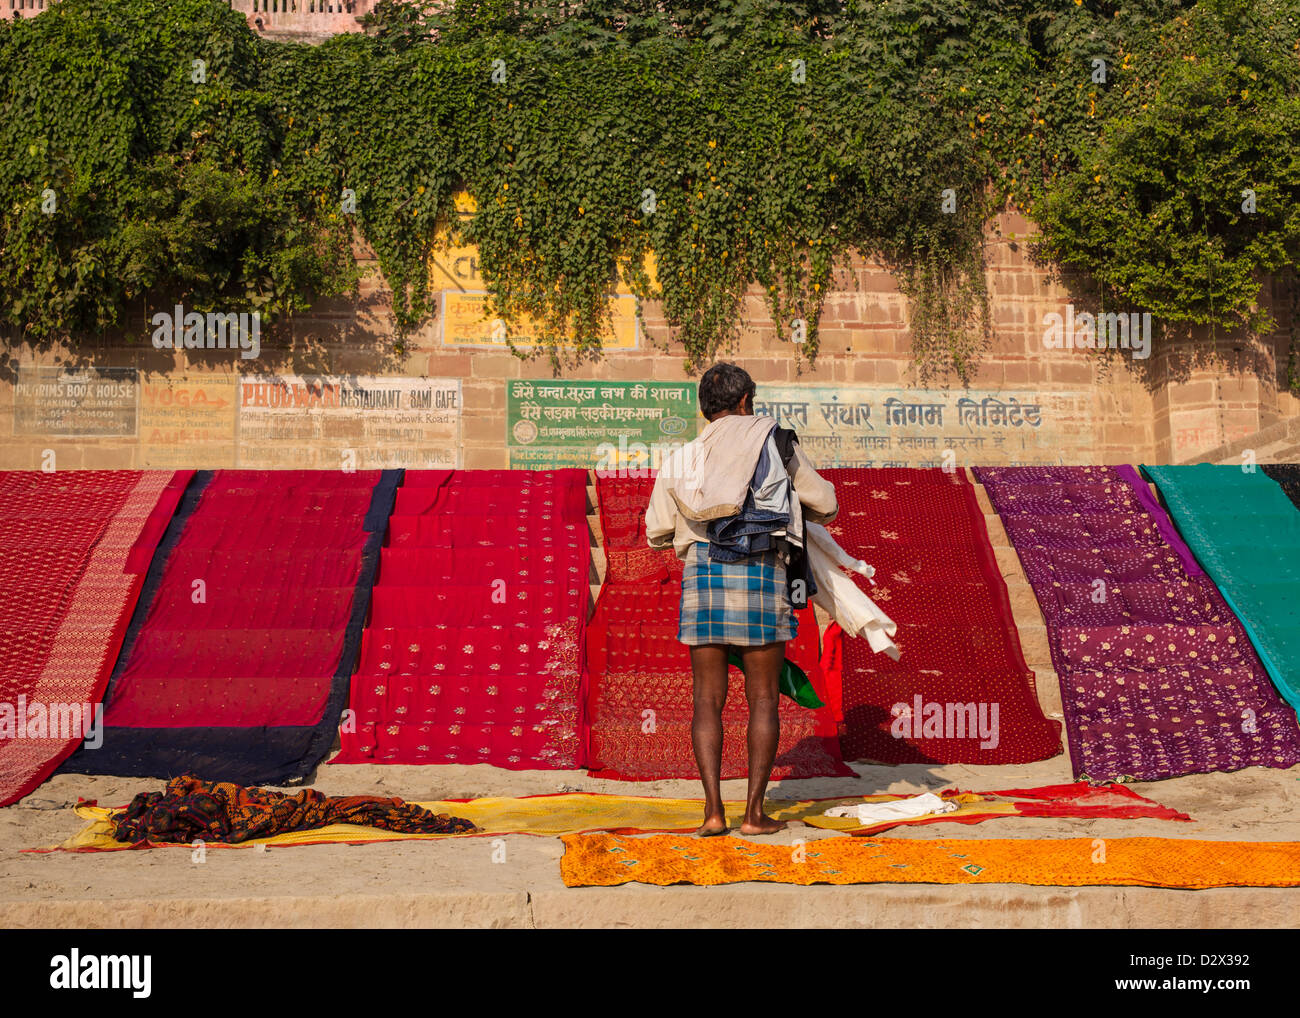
(722, 387)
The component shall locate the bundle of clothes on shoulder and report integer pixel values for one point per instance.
(746, 487)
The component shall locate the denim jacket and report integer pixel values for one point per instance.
(766, 511)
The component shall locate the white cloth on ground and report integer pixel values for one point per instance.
(897, 809)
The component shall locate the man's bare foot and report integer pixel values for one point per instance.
(712, 827)
(763, 825)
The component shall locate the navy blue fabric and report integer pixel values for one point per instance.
(746, 533)
(749, 531)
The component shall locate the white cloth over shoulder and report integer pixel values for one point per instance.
(900, 809)
(856, 613)
(709, 477)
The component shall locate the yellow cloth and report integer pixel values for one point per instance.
(663, 859)
(552, 816)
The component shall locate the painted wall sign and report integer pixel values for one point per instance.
(337, 421)
(464, 317)
(861, 426)
(596, 424)
(465, 322)
(188, 421)
(76, 402)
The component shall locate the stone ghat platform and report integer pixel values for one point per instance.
(456, 883)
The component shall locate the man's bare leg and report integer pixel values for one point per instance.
(709, 667)
(762, 690)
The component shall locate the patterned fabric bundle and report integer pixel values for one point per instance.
(74, 549)
(961, 691)
(640, 700)
(1157, 676)
(236, 664)
(473, 653)
(191, 810)
(1246, 532)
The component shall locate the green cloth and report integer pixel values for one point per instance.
(793, 683)
(1246, 533)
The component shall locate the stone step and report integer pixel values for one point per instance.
(1289, 453)
(1278, 452)
(997, 531)
(1008, 561)
(1048, 686)
(1282, 434)
(1034, 645)
(1024, 605)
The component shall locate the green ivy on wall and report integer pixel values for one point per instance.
(159, 151)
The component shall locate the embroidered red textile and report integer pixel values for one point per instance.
(238, 671)
(190, 667)
(1082, 800)
(472, 654)
(417, 567)
(1078, 801)
(961, 692)
(74, 548)
(639, 698)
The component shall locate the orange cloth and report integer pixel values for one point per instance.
(609, 859)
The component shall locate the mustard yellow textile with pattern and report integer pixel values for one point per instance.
(663, 859)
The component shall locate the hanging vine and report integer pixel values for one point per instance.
(690, 152)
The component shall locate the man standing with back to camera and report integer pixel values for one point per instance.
(724, 503)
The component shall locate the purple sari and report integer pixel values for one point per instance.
(1158, 678)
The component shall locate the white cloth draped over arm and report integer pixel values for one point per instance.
(856, 613)
(841, 557)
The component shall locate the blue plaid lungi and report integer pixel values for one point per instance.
(740, 604)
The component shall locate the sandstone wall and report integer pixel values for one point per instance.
(186, 408)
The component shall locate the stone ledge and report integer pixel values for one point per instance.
(735, 906)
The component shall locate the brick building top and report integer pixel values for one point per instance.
(301, 20)
(305, 20)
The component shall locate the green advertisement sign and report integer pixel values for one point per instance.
(597, 425)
